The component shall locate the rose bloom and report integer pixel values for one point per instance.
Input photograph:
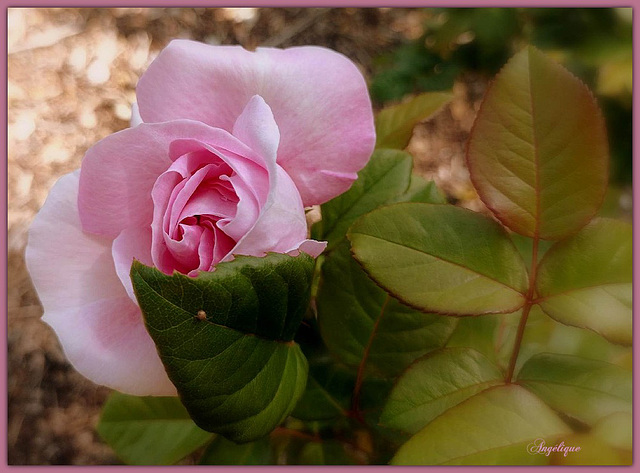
(231, 147)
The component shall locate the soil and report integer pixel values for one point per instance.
(71, 81)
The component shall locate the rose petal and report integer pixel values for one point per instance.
(318, 97)
(107, 342)
(119, 172)
(59, 255)
(100, 328)
(282, 224)
(311, 247)
(257, 128)
(132, 243)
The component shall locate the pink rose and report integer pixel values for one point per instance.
(234, 144)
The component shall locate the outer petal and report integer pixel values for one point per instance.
(132, 243)
(311, 247)
(282, 224)
(119, 172)
(318, 97)
(100, 328)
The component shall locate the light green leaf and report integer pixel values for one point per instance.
(224, 452)
(593, 451)
(237, 372)
(436, 383)
(586, 281)
(149, 430)
(615, 430)
(493, 427)
(385, 179)
(538, 152)
(421, 190)
(584, 389)
(357, 319)
(394, 125)
(441, 258)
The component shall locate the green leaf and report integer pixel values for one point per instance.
(238, 373)
(394, 125)
(538, 152)
(479, 333)
(385, 179)
(586, 281)
(328, 452)
(359, 320)
(436, 383)
(224, 452)
(493, 427)
(441, 258)
(616, 430)
(421, 190)
(328, 393)
(386, 175)
(149, 430)
(584, 389)
(593, 451)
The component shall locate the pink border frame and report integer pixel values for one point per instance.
(314, 3)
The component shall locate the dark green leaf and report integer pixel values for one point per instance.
(328, 393)
(441, 258)
(584, 389)
(493, 427)
(328, 452)
(358, 319)
(434, 384)
(238, 373)
(149, 430)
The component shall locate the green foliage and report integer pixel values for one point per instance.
(538, 151)
(149, 430)
(385, 179)
(435, 384)
(394, 124)
(537, 155)
(328, 393)
(253, 307)
(224, 452)
(441, 258)
(492, 427)
(386, 176)
(329, 452)
(359, 320)
(572, 292)
(584, 389)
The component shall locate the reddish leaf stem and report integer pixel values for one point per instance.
(355, 397)
(529, 301)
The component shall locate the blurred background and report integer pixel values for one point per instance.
(71, 81)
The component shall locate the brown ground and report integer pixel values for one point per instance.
(71, 80)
